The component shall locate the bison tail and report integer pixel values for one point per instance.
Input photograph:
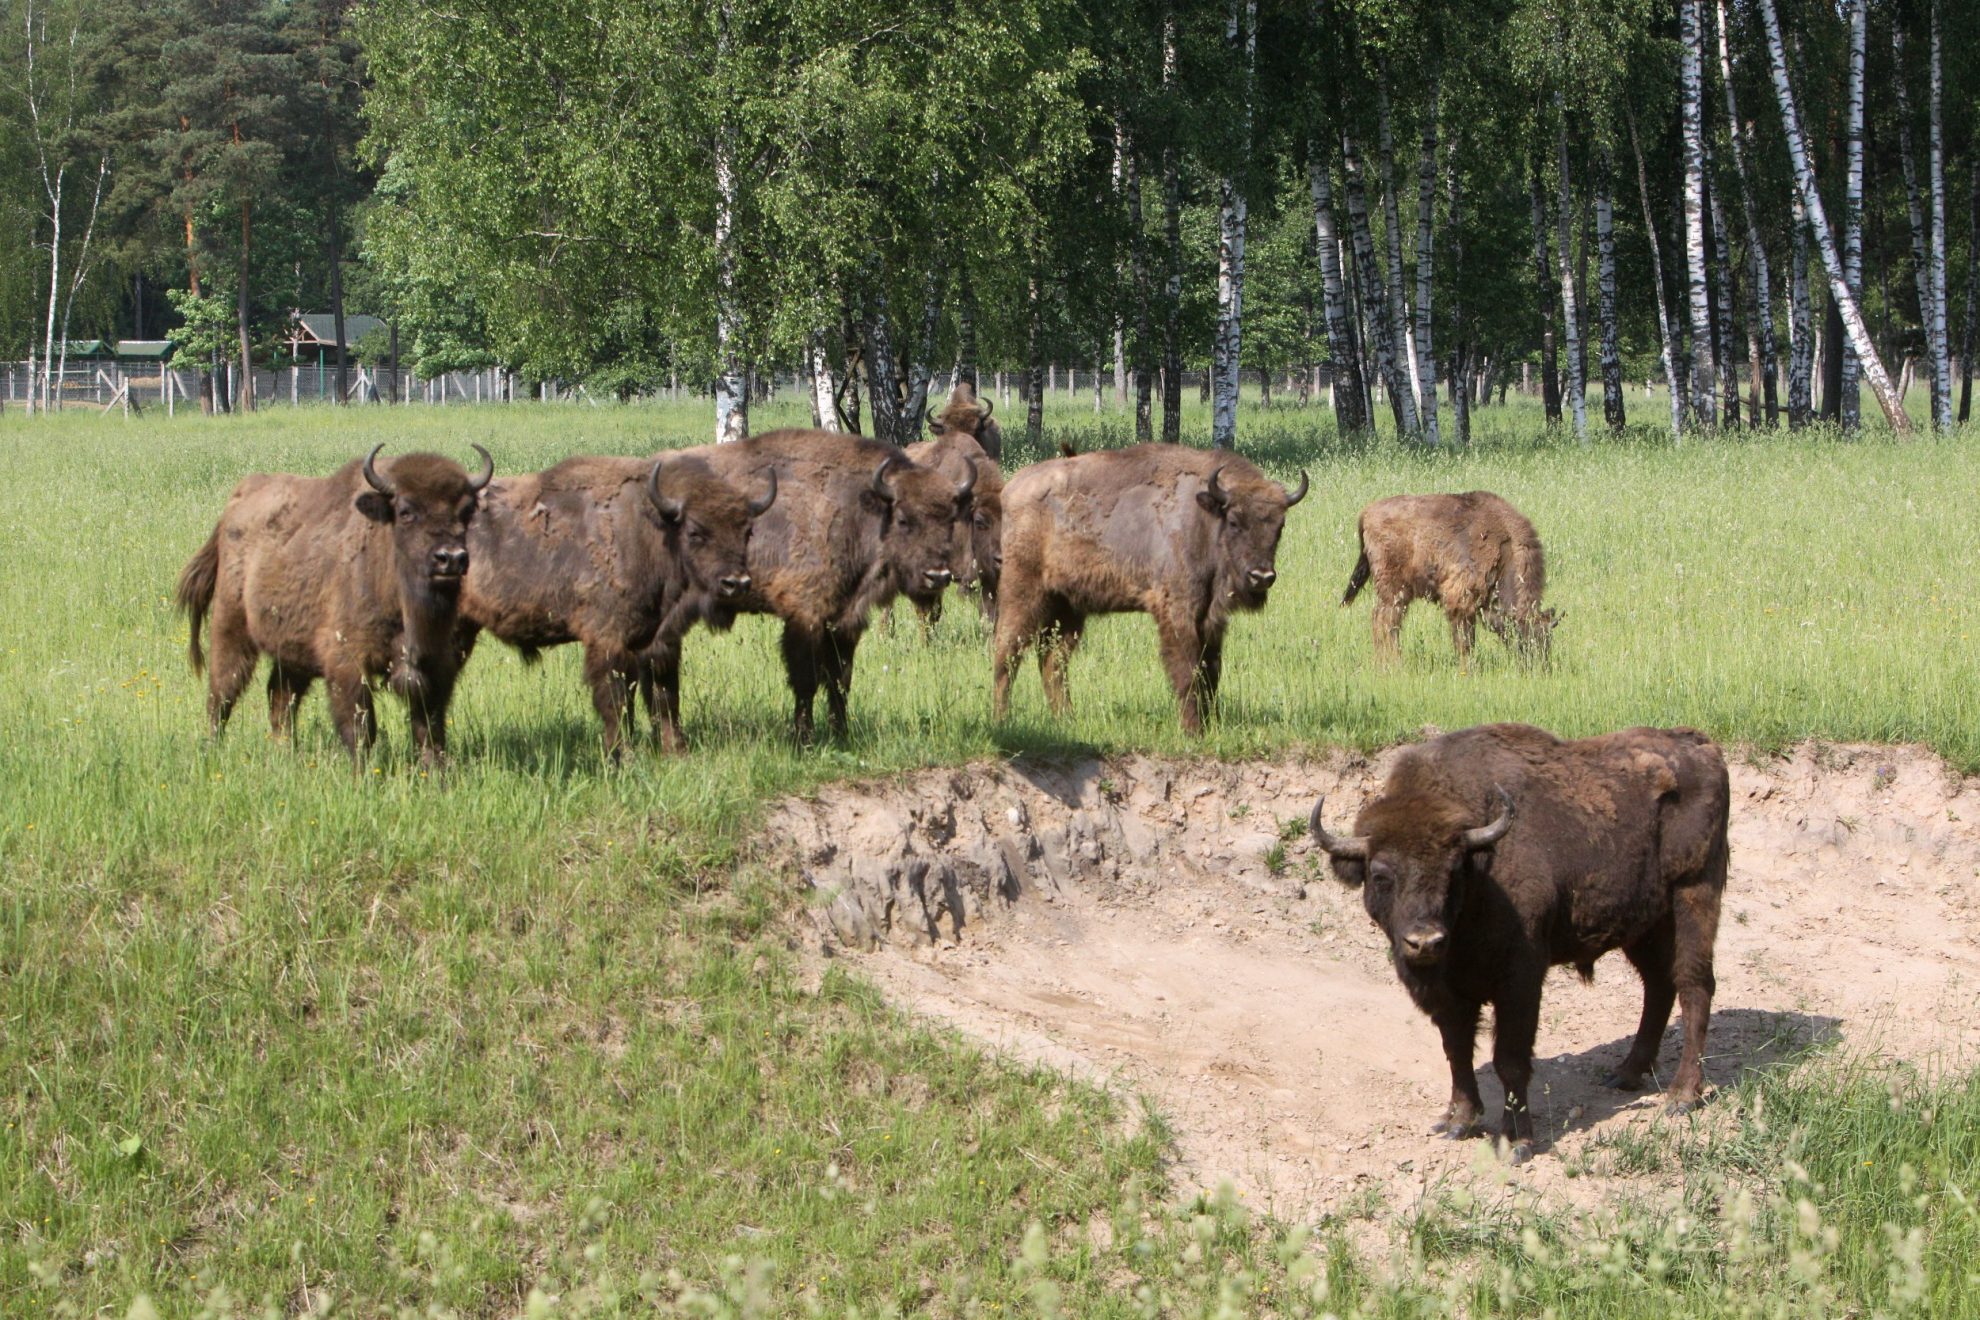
(529, 655)
(196, 586)
(1357, 580)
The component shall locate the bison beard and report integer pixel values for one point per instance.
(1496, 852)
(347, 578)
(1187, 535)
(606, 552)
(856, 524)
(1473, 554)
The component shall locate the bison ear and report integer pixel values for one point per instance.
(375, 507)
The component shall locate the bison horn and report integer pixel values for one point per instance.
(1299, 494)
(1487, 835)
(880, 486)
(1348, 850)
(480, 483)
(964, 491)
(988, 407)
(671, 510)
(371, 477)
(758, 507)
(1216, 486)
(935, 422)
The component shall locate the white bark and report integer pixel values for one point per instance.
(1402, 329)
(1801, 327)
(1849, 400)
(1740, 134)
(1172, 231)
(731, 389)
(1818, 222)
(1935, 332)
(1426, 209)
(1375, 313)
(1613, 409)
(1667, 345)
(1577, 388)
(1921, 236)
(1692, 108)
(1226, 364)
(824, 393)
(1350, 397)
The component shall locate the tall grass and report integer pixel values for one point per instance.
(270, 1022)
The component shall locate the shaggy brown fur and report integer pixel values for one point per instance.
(602, 551)
(978, 556)
(332, 579)
(1470, 553)
(966, 414)
(1617, 842)
(1137, 529)
(855, 524)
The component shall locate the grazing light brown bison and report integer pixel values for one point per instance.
(601, 551)
(1186, 535)
(855, 524)
(1471, 553)
(1494, 853)
(347, 578)
(956, 454)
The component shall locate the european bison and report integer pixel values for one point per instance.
(967, 413)
(600, 551)
(1470, 553)
(1185, 535)
(1496, 852)
(347, 578)
(855, 524)
(958, 455)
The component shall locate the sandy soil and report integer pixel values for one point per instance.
(1169, 929)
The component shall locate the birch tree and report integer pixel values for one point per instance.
(1935, 331)
(1577, 387)
(1848, 409)
(1350, 397)
(1698, 295)
(1667, 350)
(1613, 407)
(1818, 222)
(1543, 282)
(1404, 385)
(1739, 134)
(1241, 42)
(1426, 205)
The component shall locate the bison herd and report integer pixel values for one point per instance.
(1489, 856)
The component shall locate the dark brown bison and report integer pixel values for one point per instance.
(601, 551)
(347, 578)
(966, 413)
(1471, 553)
(956, 454)
(855, 524)
(1494, 853)
(1186, 535)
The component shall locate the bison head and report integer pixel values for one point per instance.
(427, 501)
(1413, 861)
(1251, 515)
(1530, 632)
(986, 538)
(919, 514)
(967, 413)
(707, 523)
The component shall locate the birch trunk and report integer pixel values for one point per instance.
(1350, 401)
(1426, 214)
(241, 318)
(1966, 334)
(1402, 383)
(1936, 332)
(1698, 293)
(1667, 343)
(1613, 408)
(1375, 312)
(1801, 328)
(966, 329)
(731, 398)
(1818, 221)
(1921, 236)
(1725, 344)
(824, 396)
(1034, 364)
(1577, 386)
(1226, 359)
(1543, 283)
(1461, 353)
(1759, 278)
(1172, 226)
(1848, 407)
(883, 388)
(54, 191)
(914, 411)
(1144, 374)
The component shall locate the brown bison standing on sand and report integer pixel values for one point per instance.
(855, 524)
(1186, 535)
(1494, 853)
(1470, 553)
(957, 454)
(347, 578)
(600, 551)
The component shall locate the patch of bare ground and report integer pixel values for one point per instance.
(1168, 928)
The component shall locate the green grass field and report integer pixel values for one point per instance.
(276, 1033)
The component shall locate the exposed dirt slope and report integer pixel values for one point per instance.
(1170, 928)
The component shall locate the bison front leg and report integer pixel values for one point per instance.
(1386, 625)
(835, 668)
(1651, 956)
(1182, 658)
(1210, 672)
(610, 677)
(427, 705)
(801, 670)
(351, 712)
(1515, 1022)
(1464, 634)
(1019, 622)
(1459, 1028)
(660, 689)
(1055, 648)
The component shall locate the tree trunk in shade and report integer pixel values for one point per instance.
(1704, 381)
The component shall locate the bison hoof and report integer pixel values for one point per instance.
(1622, 1081)
(1520, 1152)
(1678, 1106)
(1452, 1129)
